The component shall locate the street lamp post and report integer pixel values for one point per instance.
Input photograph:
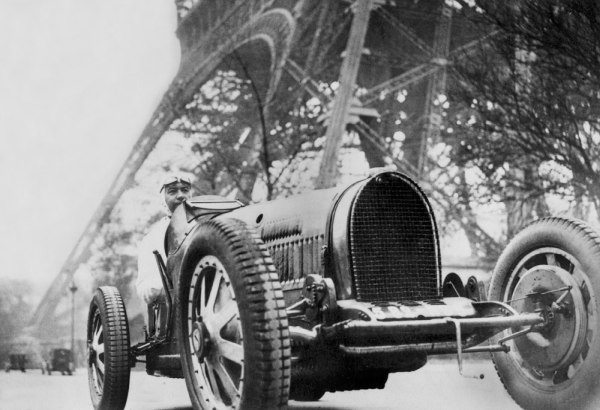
(73, 289)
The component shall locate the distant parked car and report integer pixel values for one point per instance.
(61, 360)
(16, 361)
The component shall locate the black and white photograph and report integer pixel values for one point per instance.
(300, 204)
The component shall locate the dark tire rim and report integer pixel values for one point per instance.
(556, 350)
(215, 335)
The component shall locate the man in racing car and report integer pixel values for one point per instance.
(177, 189)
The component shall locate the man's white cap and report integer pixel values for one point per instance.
(173, 178)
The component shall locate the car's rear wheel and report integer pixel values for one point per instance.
(235, 345)
(552, 267)
(108, 350)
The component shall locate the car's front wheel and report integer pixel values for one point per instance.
(108, 350)
(552, 267)
(234, 334)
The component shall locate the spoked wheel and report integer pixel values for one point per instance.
(235, 342)
(108, 350)
(552, 267)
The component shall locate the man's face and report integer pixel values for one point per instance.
(176, 193)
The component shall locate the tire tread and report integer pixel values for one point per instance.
(266, 307)
(109, 303)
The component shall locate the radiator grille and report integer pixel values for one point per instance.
(393, 242)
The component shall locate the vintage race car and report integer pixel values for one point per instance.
(335, 289)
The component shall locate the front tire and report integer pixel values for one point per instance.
(553, 267)
(235, 345)
(108, 350)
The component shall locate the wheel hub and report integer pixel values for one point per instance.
(552, 292)
(549, 319)
(200, 339)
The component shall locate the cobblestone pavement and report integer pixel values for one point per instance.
(437, 385)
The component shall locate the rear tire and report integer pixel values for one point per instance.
(558, 365)
(108, 350)
(235, 346)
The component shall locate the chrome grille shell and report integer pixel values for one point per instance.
(393, 243)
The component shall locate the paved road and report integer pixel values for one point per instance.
(437, 385)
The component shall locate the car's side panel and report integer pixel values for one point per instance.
(293, 229)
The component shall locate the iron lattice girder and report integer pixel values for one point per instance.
(403, 80)
(405, 31)
(306, 81)
(441, 46)
(418, 73)
(470, 48)
(437, 84)
(312, 87)
(399, 82)
(343, 97)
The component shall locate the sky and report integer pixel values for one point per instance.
(79, 79)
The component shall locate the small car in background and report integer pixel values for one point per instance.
(61, 360)
(16, 361)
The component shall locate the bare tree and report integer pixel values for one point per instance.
(15, 308)
(239, 135)
(526, 108)
(114, 255)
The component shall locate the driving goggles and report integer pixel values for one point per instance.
(174, 179)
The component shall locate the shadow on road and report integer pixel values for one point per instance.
(437, 385)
